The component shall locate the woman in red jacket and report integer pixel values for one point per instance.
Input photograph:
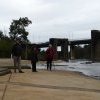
(49, 57)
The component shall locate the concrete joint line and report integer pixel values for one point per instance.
(6, 86)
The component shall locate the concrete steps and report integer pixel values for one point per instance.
(12, 67)
(4, 71)
(7, 69)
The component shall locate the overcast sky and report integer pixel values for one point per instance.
(72, 19)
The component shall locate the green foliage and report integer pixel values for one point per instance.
(17, 28)
(5, 48)
(1, 34)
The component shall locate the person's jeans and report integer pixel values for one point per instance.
(33, 66)
(17, 63)
(49, 64)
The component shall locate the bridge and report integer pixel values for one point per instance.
(78, 42)
(60, 41)
(94, 43)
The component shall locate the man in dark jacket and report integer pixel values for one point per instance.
(49, 56)
(16, 54)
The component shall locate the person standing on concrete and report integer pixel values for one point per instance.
(49, 57)
(16, 55)
(34, 58)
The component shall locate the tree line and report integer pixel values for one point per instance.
(17, 30)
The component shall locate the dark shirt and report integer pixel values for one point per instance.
(17, 50)
(34, 57)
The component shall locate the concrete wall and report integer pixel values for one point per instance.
(95, 45)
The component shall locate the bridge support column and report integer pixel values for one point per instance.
(72, 52)
(95, 45)
(64, 50)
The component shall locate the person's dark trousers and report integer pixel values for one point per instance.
(33, 66)
(49, 65)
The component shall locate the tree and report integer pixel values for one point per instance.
(5, 48)
(1, 34)
(3, 37)
(17, 28)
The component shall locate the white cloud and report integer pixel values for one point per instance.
(53, 18)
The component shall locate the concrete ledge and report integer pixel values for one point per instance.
(4, 71)
(12, 67)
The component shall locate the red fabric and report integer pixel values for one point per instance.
(50, 53)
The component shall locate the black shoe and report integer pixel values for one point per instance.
(21, 72)
(34, 71)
